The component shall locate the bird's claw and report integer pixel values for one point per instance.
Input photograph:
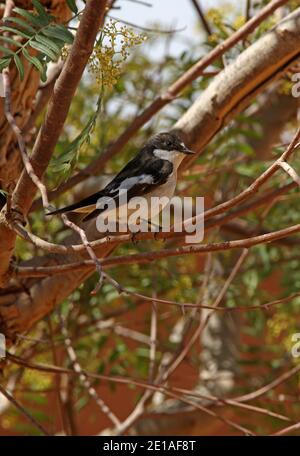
(134, 239)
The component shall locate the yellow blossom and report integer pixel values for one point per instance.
(111, 51)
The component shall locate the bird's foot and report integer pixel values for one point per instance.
(134, 239)
(157, 230)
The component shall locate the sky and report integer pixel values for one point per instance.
(178, 14)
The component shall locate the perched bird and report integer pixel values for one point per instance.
(152, 172)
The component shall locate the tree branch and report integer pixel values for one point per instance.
(56, 115)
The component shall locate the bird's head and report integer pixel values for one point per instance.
(169, 141)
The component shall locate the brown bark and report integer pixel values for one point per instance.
(23, 100)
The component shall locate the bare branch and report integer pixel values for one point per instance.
(202, 17)
(290, 171)
(82, 376)
(22, 410)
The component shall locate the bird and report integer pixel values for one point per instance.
(151, 173)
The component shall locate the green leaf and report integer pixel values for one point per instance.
(59, 32)
(15, 31)
(9, 40)
(21, 22)
(42, 12)
(246, 149)
(49, 43)
(4, 62)
(19, 65)
(61, 167)
(33, 19)
(6, 51)
(44, 49)
(36, 63)
(72, 5)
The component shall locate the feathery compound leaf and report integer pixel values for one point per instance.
(21, 22)
(49, 43)
(44, 49)
(4, 62)
(6, 28)
(19, 65)
(41, 10)
(36, 63)
(31, 18)
(6, 51)
(59, 32)
(41, 34)
(9, 40)
(72, 5)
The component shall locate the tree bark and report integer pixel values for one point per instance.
(23, 101)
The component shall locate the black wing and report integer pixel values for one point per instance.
(155, 172)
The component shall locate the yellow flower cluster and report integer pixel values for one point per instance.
(279, 324)
(217, 16)
(214, 15)
(111, 51)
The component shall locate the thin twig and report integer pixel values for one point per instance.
(141, 2)
(178, 360)
(82, 375)
(147, 29)
(221, 402)
(88, 248)
(288, 430)
(270, 386)
(202, 17)
(153, 329)
(248, 9)
(256, 185)
(21, 409)
(152, 387)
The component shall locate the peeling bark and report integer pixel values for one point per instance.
(23, 101)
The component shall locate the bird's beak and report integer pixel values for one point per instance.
(187, 151)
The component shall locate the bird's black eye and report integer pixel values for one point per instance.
(169, 144)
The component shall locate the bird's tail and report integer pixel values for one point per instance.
(62, 210)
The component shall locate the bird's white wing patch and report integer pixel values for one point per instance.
(123, 187)
(130, 182)
(104, 200)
